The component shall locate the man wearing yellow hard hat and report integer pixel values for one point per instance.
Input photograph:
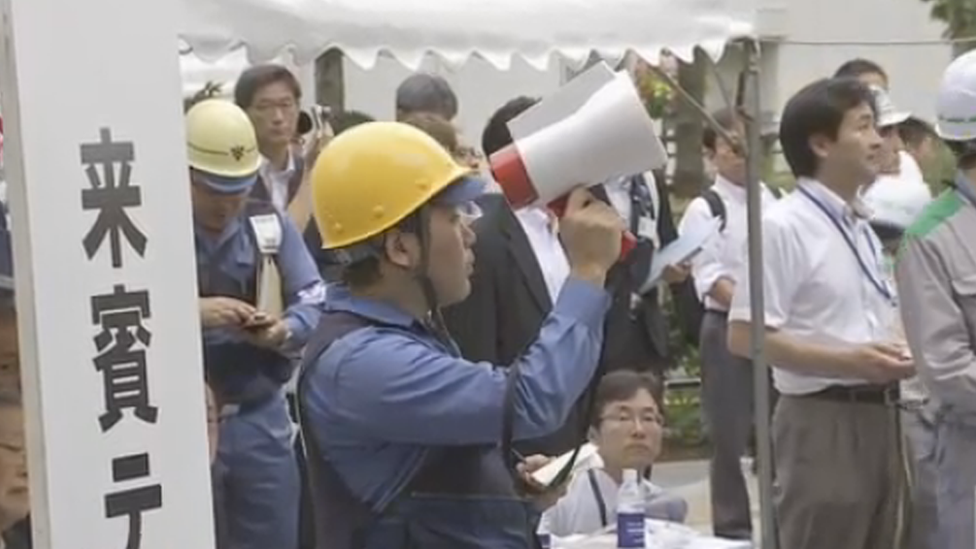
(250, 347)
(403, 434)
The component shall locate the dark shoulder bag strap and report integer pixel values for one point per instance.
(716, 206)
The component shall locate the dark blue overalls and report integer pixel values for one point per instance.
(256, 474)
(402, 433)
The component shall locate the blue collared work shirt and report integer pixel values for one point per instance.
(301, 284)
(381, 396)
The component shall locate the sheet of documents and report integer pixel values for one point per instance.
(679, 251)
(588, 457)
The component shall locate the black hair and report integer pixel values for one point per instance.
(365, 272)
(857, 67)
(817, 109)
(423, 92)
(621, 385)
(914, 131)
(361, 274)
(496, 136)
(727, 118)
(254, 79)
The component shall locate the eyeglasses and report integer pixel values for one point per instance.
(469, 212)
(634, 420)
(265, 108)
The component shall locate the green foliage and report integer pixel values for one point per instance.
(960, 19)
(958, 15)
(682, 406)
(209, 90)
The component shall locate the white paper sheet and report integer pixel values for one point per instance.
(681, 250)
(588, 457)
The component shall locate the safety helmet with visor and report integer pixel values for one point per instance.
(222, 147)
(956, 100)
(381, 175)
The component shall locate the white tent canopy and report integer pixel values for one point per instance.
(456, 29)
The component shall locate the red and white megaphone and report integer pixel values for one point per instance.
(594, 129)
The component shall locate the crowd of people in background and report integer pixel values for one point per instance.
(869, 287)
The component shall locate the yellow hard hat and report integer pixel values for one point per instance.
(220, 140)
(372, 176)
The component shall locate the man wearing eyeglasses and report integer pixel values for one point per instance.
(626, 428)
(271, 96)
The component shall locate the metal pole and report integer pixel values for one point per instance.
(764, 449)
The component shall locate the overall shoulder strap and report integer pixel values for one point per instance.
(259, 208)
(333, 325)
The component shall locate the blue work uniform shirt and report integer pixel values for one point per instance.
(302, 287)
(381, 397)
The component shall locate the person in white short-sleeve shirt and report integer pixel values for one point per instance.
(835, 428)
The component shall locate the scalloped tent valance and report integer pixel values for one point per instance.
(535, 30)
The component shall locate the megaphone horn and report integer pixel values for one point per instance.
(611, 135)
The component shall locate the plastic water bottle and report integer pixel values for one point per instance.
(630, 512)
(542, 533)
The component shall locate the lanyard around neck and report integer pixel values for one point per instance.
(851, 243)
(601, 505)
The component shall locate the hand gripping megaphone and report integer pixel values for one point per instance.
(594, 129)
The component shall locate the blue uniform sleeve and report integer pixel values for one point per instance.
(303, 287)
(397, 388)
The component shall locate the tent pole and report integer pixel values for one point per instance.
(764, 448)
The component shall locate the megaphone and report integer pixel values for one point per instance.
(597, 137)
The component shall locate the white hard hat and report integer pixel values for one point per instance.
(895, 202)
(956, 103)
(888, 114)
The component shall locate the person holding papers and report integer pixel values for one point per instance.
(727, 380)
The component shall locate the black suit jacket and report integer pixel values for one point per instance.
(509, 302)
(19, 535)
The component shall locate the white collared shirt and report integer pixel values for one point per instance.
(815, 288)
(543, 234)
(722, 256)
(578, 512)
(277, 181)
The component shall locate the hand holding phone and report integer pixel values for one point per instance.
(258, 321)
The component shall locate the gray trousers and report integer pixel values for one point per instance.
(727, 400)
(839, 474)
(920, 430)
(956, 464)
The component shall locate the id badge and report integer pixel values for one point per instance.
(646, 228)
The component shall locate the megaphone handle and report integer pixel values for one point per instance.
(627, 240)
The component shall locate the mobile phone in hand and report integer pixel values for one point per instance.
(258, 321)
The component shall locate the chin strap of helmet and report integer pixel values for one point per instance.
(435, 320)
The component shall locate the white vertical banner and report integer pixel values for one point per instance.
(106, 289)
